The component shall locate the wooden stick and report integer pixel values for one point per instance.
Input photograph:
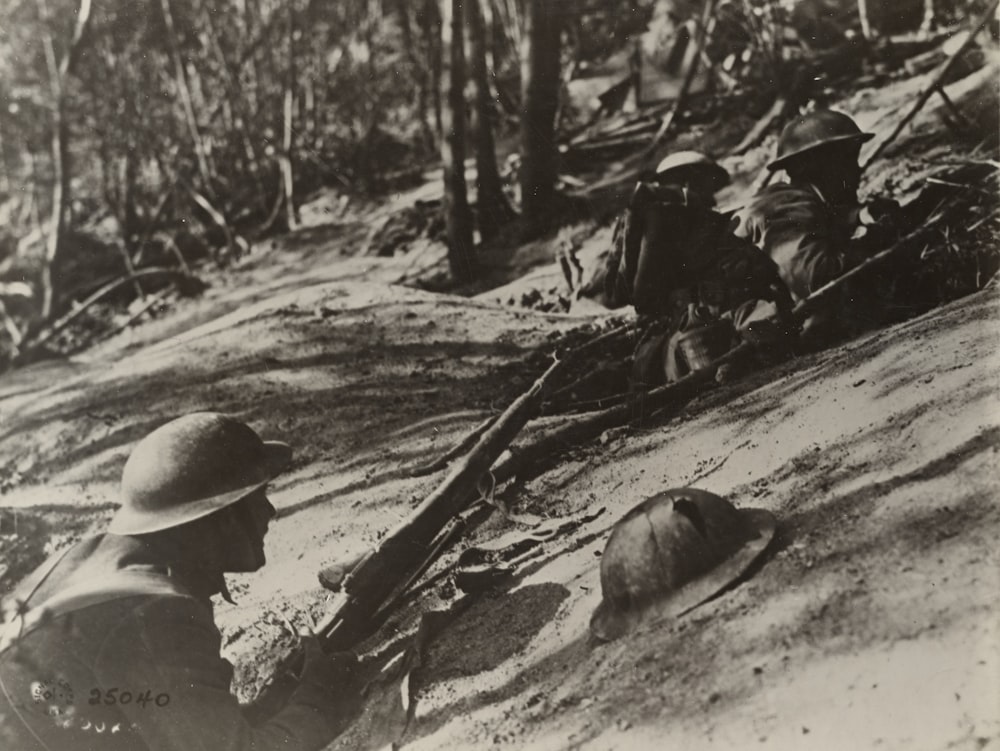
(469, 440)
(935, 84)
(101, 293)
(756, 134)
(804, 308)
(963, 121)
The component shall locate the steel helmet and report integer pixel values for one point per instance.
(692, 162)
(190, 467)
(673, 552)
(820, 128)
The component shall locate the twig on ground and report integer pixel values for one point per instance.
(96, 297)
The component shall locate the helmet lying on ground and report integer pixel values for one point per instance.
(673, 552)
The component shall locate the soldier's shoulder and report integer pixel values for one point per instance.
(782, 198)
(781, 193)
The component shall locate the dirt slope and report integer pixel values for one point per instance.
(872, 623)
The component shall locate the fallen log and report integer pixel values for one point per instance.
(96, 297)
(609, 144)
(150, 302)
(643, 125)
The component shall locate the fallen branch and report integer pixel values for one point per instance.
(235, 245)
(96, 297)
(805, 308)
(935, 84)
(760, 128)
(149, 303)
(469, 440)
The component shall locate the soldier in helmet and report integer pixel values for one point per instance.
(112, 643)
(686, 178)
(676, 260)
(806, 224)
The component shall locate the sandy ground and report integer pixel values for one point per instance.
(872, 622)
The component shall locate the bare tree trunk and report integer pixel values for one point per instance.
(4, 164)
(309, 109)
(318, 85)
(253, 77)
(458, 217)
(239, 107)
(539, 101)
(180, 76)
(59, 72)
(287, 174)
(420, 76)
(129, 217)
(493, 209)
(866, 27)
(434, 34)
(32, 209)
(60, 200)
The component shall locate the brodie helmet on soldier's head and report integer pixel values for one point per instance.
(808, 132)
(191, 467)
(673, 552)
(684, 164)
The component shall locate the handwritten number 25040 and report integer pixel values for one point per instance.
(113, 696)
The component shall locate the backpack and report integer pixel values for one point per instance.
(46, 705)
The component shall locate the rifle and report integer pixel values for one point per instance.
(386, 570)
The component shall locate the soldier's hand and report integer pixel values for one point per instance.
(881, 209)
(879, 226)
(325, 669)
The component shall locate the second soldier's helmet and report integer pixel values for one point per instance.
(808, 132)
(682, 165)
(673, 552)
(191, 467)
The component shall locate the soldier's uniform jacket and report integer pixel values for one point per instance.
(671, 250)
(809, 239)
(127, 657)
(676, 259)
